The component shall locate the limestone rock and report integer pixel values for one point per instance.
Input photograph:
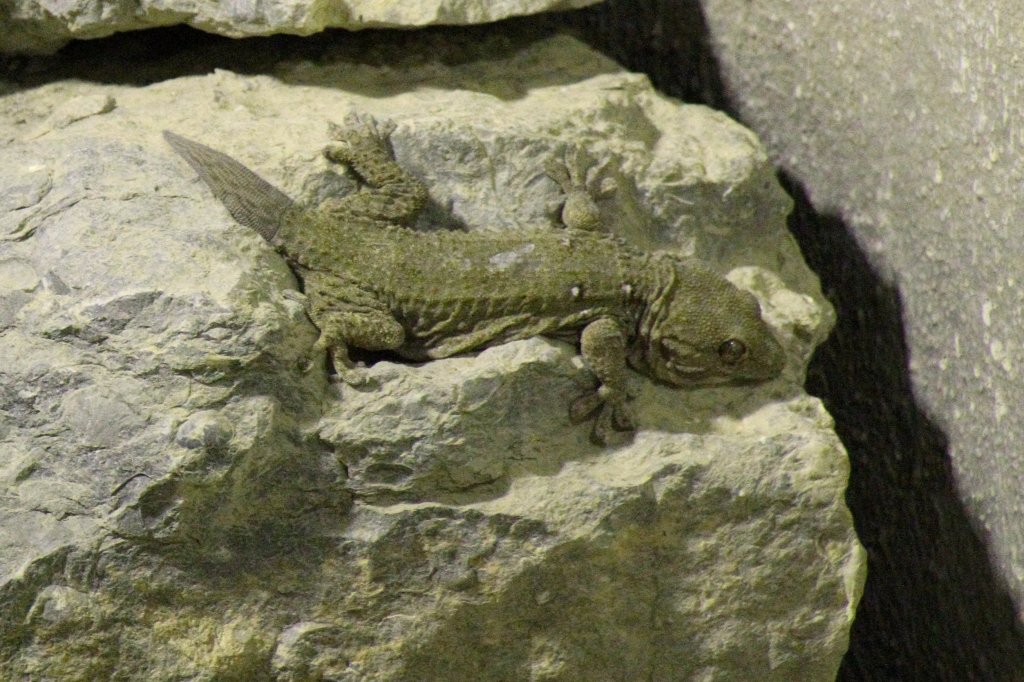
(43, 26)
(181, 501)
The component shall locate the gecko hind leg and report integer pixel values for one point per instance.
(391, 194)
(341, 329)
(347, 316)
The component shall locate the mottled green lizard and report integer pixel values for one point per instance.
(373, 282)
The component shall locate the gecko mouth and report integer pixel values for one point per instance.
(688, 374)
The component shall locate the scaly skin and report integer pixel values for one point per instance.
(374, 283)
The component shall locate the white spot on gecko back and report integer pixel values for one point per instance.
(986, 313)
(506, 259)
(1000, 353)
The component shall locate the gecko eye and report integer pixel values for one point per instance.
(732, 351)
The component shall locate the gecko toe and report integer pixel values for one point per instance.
(585, 406)
(606, 432)
(356, 377)
(623, 418)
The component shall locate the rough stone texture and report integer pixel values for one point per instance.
(180, 501)
(901, 120)
(43, 26)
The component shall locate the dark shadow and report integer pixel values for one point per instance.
(934, 608)
(144, 57)
(665, 39)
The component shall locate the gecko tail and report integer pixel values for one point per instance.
(250, 199)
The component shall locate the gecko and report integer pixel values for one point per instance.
(373, 282)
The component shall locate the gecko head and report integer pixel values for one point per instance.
(703, 330)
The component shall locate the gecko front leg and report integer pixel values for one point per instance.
(391, 195)
(573, 175)
(603, 348)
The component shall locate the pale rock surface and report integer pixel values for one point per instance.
(180, 501)
(43, 26)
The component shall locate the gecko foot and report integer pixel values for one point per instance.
(614, 421)
(354, 376)
(358, 135)
(575, 174)
(345, 371)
